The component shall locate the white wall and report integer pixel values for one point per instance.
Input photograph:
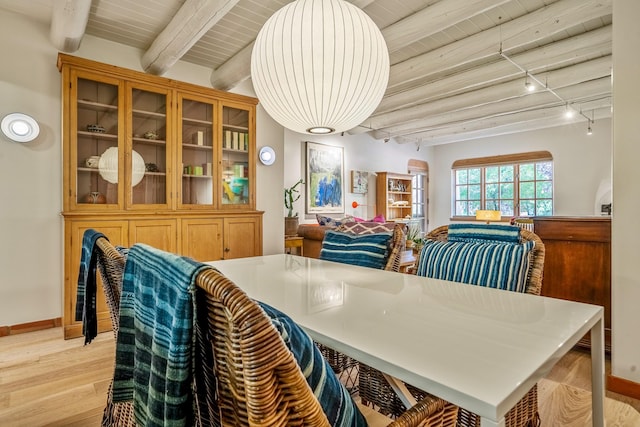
(625, 251)
(581, 162)
(361, 152)
(31, 177)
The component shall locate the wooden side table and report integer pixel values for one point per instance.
(293, 242)
(407, 261)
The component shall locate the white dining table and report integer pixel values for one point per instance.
(479, 348)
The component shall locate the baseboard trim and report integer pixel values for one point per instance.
(623, 386)
(30, 327)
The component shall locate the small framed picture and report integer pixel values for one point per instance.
(359, 182)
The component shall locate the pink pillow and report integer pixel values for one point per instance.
(378, 218)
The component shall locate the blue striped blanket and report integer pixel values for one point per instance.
(86, 290)
(155, 345)
(337, 404)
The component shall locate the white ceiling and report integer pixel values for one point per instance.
(457, 66)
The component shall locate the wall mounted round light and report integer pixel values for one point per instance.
(20, 127)
(320, 66)
(267, 156)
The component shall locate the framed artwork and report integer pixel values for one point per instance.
(359, 182)
(325, 178)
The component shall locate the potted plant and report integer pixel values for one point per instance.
(413, 234)
(291, 195)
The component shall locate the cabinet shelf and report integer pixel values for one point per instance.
(86, 169)
(148, 114)
(234, 127)
(197, 147)
(96, 106)
(196, 122)
(149, 141)
(196, 176)
(97, 135)
(231, 150)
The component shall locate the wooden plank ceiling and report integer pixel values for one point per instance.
(458, 67)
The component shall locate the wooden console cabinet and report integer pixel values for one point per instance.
(577, 264)
(151, 160)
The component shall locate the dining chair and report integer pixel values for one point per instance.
(110, 263)
(525, 223)
(374, 390)
(248, 375)
(344, 366)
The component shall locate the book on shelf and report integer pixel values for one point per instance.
(227, 139)
(198, 138)
(236, 141)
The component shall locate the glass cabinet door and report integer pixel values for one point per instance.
(196, 158)
(94, 130)
(149, 156)
(236, 145)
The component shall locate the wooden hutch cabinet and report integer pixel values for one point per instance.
(148, 159)
(577, 263)
(393, 195)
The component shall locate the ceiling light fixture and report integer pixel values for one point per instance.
(320, 66)
(569, 112)
(20, 127)
(528, 85)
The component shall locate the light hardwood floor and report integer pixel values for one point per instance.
(47, 381)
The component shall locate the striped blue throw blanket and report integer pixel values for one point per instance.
(86, 290)
(337, 404)
(155, 345)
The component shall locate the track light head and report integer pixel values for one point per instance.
(569, 113)
(528, 84)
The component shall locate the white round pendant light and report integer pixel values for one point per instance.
(320, 66)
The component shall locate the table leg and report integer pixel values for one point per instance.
(597, 373)
(401, 390)
(484, 422)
